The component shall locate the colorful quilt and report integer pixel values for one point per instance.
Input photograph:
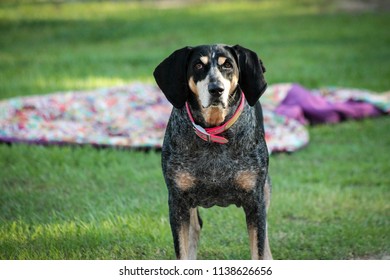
(136, 115)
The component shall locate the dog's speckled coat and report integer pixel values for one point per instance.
(200, 173)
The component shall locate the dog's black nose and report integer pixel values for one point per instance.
(216, 89)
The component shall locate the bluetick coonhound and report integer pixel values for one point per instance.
(214, 152)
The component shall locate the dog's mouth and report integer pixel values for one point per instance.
(216, 103)
(215, 106)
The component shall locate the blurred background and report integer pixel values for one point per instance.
(330, 200)
(62, 45)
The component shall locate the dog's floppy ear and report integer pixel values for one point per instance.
(251, 78)
(171, 77)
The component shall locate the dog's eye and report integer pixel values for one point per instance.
(227, 65)
(198, 66)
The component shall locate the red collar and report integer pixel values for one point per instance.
(211, 134)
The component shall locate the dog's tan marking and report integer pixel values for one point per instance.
(189, 237)
(204, 59)
(184, 180)
(246, 179)
(194, 234)
(233, 84)
(253, 243)
(214, 115)
(221, 60)
(252, 231)
(192, 86)
(184, 234)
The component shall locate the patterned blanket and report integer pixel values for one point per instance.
(136, 115)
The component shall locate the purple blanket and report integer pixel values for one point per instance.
(330, 106)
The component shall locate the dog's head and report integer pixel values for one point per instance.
(213, 73)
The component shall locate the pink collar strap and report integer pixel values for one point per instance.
(211, 134)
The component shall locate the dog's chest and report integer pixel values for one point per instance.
(217, 166)
(220, 178)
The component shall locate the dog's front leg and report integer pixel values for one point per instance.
(185, 226)
(257, 229)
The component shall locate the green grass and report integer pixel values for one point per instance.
(330, 200)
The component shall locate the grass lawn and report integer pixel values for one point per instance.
(330, 200)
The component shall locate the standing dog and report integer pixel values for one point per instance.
(214, 152)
